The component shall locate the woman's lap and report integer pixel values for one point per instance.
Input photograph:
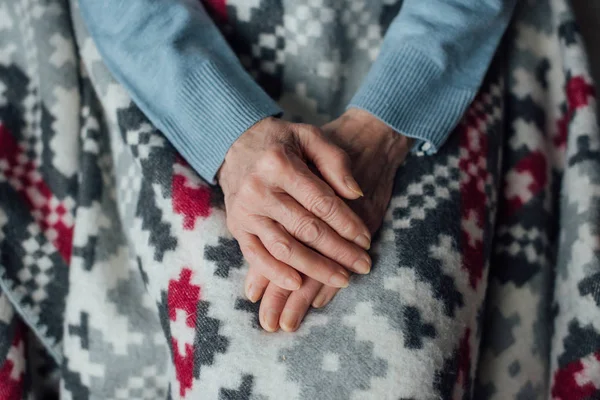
(410, 328)
(169, 277)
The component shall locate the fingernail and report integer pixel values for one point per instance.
(318, 302)
(338, 280)
(363, 241)
(352, 185)
(252, 293)
(289, 320)
(271, 320)
(362, 266)
(292, 284)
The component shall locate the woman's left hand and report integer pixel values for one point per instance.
(376, 151)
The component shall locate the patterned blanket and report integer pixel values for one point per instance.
(119, 279)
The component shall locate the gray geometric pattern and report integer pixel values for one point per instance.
(338, 367)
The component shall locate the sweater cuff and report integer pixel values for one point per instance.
(406, 90)
(213, 107)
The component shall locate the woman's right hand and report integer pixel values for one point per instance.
(287, 220)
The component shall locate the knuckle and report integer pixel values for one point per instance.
(274, 160)
(308, 230)
(280, 249)
(250, 251)
(250, 189)
(325, 206)
(279, 294)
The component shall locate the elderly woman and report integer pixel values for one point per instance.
(284, 182)
(295, 199)
(303, 200)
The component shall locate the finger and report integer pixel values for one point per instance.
(271, 307)
(255, 284)
(325, 295)
(331, 161)
(319, 199)
(298, 304)
(272, 269)
(288, 250)
(316, 234)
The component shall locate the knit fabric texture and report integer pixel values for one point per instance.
(180, 71)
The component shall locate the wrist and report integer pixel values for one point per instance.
(259, 125)
(376, 133)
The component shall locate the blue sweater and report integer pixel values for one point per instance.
(183, 75)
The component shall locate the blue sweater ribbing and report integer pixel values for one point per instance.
(184, 76)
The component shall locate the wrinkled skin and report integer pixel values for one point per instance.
(276, 178)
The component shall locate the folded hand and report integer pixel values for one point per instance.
(376, 151)
(289, 221)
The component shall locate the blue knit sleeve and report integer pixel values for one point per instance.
(431, 64)
(181, 72)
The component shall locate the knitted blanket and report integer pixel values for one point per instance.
(119, 279)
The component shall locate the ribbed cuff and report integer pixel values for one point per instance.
(214, 106)
(406, 90)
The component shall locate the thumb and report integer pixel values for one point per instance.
(332, 162)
